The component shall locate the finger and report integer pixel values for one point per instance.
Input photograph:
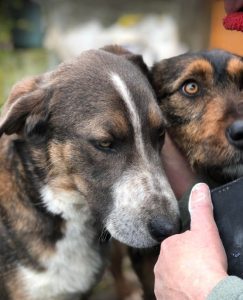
(201, 209)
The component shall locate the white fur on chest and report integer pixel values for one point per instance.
(77, 261)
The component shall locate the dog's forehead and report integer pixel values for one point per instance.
(100, 86)
(218, 62)
(92, 64)
(96, 66)
(100, 77)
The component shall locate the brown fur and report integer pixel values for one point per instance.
(198, 124)
(54, 172)
(153, 118)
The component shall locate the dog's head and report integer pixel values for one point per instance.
(96, 127)
(201, 96)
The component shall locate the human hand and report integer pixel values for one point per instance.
(192, 263)
(177, 168)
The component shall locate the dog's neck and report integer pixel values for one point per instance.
(33, 175)
(21, 184)
(59, 246)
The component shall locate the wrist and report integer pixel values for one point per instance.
(206, 286)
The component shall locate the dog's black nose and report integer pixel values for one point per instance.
(161, 227)
(234, 134)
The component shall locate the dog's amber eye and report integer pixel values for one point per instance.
(190, 88)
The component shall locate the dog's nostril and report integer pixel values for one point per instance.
(161, 227)
(235, 134)
(236, 131)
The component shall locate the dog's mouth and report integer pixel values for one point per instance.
(221, 166)
(222, 175)
(105, 236)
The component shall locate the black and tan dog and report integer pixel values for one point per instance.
(201, 97)
(73, 163)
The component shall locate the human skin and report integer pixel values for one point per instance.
(192, 263)
(233, 5)
(177, 169)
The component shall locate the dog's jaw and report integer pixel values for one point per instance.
(228, 173)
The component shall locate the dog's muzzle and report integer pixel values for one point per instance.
(234, 134)
(161, 227)
(145, 210)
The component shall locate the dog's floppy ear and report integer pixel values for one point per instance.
(134, 58)
(116, 49)
(25, 110)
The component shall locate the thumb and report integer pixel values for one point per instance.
(201, 209)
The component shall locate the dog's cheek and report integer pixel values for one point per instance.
(125, 225)
(73, 169)
(209, 135)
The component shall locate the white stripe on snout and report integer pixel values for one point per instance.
(124, 92)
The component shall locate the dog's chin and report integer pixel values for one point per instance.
(132, 238)
(136, 242)
(226, 174)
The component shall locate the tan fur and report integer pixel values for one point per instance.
(154, 118)
(200, 66)
(9, 192)
(234, 67)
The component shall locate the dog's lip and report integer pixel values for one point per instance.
(105, 236)
(232, 6)
(222, 176)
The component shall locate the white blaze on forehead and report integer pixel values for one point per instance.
(126, 96)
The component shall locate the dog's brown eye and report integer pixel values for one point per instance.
(105, 144)
(190, 88)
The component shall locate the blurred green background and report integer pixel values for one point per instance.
(36, 35)
(18, 64)
(21, 41)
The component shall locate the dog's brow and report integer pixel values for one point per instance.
(126, 96)
(200, 65)
(112, 122)
(235, 67)
(195, 68)
(118, 123)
